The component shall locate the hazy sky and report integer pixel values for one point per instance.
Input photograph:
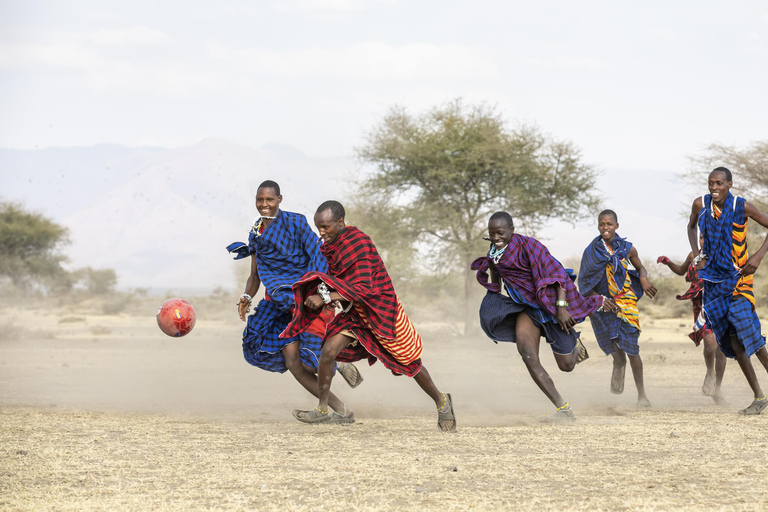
(637, 85)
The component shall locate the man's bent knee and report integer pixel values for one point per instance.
(327, 357)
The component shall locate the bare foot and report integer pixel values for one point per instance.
(643, 402)
(617, 379)
(708, 389)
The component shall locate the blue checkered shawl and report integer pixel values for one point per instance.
(724, 313)
(718, 239)
(608, 327)
(285, 251)
(596, 258)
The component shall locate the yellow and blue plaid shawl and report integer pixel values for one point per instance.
(605, 270)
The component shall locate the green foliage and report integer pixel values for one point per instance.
(383, 221)
(749, 166)
(440, 175)
(98, 281)
(456, 165)
(30, 247)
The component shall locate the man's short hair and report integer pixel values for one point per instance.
(506, 217)
(726, 171)
(336, 209)
(609, 212)
(270, 184)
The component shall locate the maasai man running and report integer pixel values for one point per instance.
(728, 300)
(283, 248)
(541, 300)
(714, 359)
(369, 321)
(605, 271)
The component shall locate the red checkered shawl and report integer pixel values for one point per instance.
(357, 273)
(697, 284)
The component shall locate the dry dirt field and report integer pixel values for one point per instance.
(106, 413)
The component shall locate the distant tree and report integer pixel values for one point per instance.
(30, 246)
(448, 169)
(98, 281)
(381, 219)
(748, 164)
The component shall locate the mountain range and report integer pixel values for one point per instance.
(162, 217)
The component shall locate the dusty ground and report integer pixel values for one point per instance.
(106, 413)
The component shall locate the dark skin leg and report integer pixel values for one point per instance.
(715, 360)
(710, 351)
(528, 338)
(567, 362)
(746, 367)
(620, 359)
(333, 346)
(637, 372)
(762, 356)
(306, 377)
(424, 380)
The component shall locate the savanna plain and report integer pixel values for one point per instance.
(104, 412)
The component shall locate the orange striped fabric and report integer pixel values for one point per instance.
(745, 286)
(407, 345)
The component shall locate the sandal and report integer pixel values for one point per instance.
(563, 414)
(343, 419)
(445, 415)
(756, 407)
(350, 373)
(583, 355)
(313, 416)
(617, 379)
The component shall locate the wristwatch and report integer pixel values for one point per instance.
(324, 292)
(561, 304)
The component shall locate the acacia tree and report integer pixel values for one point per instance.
(30, 246)
(748, 164)
(454, 165)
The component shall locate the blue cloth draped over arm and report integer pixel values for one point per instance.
(594, 260)
(285, 251)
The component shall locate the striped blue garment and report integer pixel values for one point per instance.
(498, 319)
(262, 345)
(718, 238)
(609, 329)
(594, 260)
(285, 251)
(724, 313)
(728, 315)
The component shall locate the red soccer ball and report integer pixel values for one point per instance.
(176, 317)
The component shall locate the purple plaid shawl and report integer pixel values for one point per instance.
(529, 268)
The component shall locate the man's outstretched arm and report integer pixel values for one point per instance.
(692, 228)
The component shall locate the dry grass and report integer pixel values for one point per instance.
(617, 460)
(134, 420)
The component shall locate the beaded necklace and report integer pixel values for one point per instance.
(607, 247)
(495, 254)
